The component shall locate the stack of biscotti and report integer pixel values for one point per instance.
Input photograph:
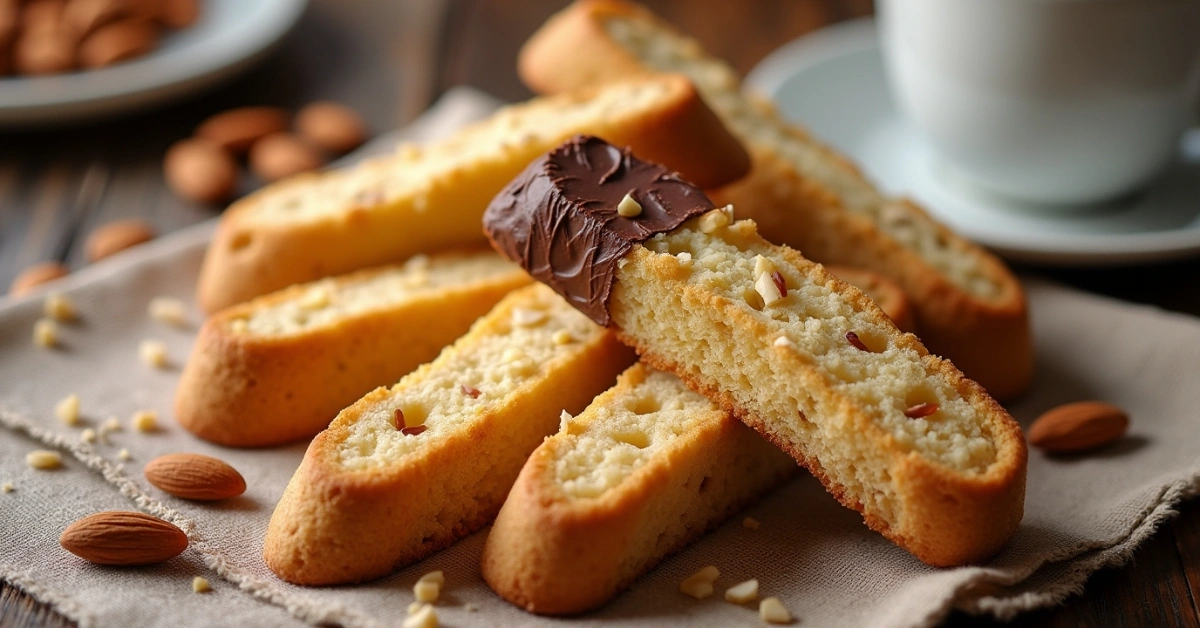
(968, 306)
(280, 367)
(408, 470)
(428, 198)
(645, 470)
(925, 454)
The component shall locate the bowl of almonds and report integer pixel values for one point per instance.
(70, 60)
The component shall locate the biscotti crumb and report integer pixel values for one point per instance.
(45, 333)
(153, 353)
(427, 591)
(88, 435)
(111, 424)
(629, 207)
(414, 607)
(425, 617)
(200, 585)
(67, 410)
(772, 611)
(750, 522)
(700, 584)
(471, 607)
(524, 317)
(145, 420)
(168, 310)
(59, 307)
(562, 337)
(43, 459)
(434, 576)
(742, 592)
(7, 487)
(783, 342)
(125, 455)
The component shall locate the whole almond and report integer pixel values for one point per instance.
(195, 476)
(330, 126)
(47, 52)
(1078, 426)
(123, 538)
(84, 16)
(35, 276)
(117, 236)
(43, 15)
(199, 170)
(237, 129)
(282, 155)
(117, 41)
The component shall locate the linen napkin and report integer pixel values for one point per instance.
(1081, 513)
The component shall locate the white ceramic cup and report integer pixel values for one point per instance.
(1059, 102)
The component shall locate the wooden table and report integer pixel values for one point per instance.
(389, 60)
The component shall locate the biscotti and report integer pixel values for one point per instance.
(424, 199)
(645, 470)
(883, 291)
(280, 367)
(969, 306)
(932, 461)
(408, 470)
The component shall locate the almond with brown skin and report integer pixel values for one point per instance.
(117, 41)
(1078, 426)
(123, 538)
(332, 127)
(35, 276)
(199, 170)
(195, 476)
(117, 236)
(237, 129)
(282, 155)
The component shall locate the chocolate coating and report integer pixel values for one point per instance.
(559, 219)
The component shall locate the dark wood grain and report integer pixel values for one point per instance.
(389, 60)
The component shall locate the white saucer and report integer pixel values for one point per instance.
(832, 81)
(228, 36)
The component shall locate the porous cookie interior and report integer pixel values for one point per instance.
(883, 382)
(523, 129)
(523, 339)
(662, 48)
(325, 303)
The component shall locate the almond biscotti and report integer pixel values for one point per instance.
(931, 461)
(802, 193)
(410, 469)
(280, 367)
(428, 198)
(645, 470)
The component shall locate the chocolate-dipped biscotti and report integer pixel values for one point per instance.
(931, 461)
(424, 199)
(800, 192)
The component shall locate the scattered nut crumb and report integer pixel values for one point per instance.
(768, 289)
(784, 341)
(684, 258)
(58, 307)
(111, 424)
(742, 592)
(67, 410)
(200, 585)
(471, 391)
(88, 435)
(471, 607)
(762, 266)
(921, 410)
(43, 459)
(857, 342)
(700, 584)
(125, 455)
(629, 207)
(750, 522)
(45, 333)
(524, 317)
(772, 611)
(425, 617)
(434, 576)
(716, 219)
(145, 420)
(168, 310)
(414, 607)
(427, 591)
(562, 337)
(154, 353)
(7, 487)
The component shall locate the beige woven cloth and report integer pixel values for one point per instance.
(828, 568)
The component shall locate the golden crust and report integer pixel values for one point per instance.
(988, 338)
(534, 556)
(886, 293)
(249, 257)
(337, 525)
(945, 517)
(242, 389)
